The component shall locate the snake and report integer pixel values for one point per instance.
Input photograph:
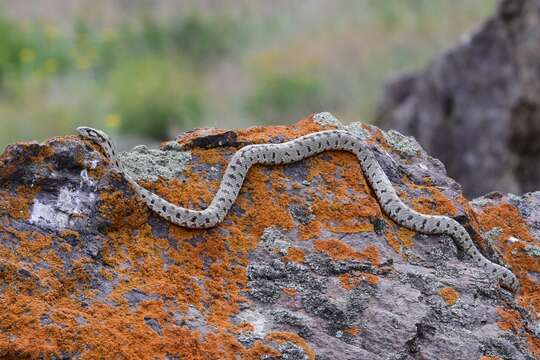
(293, 151)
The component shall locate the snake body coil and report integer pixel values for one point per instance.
(292, 151)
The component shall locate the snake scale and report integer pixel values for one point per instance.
(292, 151)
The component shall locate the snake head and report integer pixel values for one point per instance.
(97, 136)
(101, 139)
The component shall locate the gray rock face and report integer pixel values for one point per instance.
(477, 106)
(304, 267)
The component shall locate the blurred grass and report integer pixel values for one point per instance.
(151, 75)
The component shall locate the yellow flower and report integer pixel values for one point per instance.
(113, 120)
(109, 33)
(27, 55)
(25, 26)
(50, 66)
(84, 63)
(51, 32)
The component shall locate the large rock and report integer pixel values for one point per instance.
(477, 107)
(305, 266)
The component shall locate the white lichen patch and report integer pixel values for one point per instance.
(513, 239)
(45, 215)
(86, 179)
(150, 164)
(57, 215)
(256, 319)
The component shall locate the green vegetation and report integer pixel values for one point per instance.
(152, 75)
(153, 101)
(280, 98)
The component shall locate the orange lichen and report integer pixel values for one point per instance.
(371, 278)
(17, 205)
(260, 134)
(510, 319)
(338, 250)
(295, 255)
(283, 337)
(340, 202)
(211, 156)
(507, 218)
(393, 242)
(406, 237)
(449, 295)
(534, 345)
(353, 330)
(434, 203)
(290, 291)
(351, 281)
(191, 275)
(490, 358)
(120, 210)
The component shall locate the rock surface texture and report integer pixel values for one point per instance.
(304, 267)
(477, 107)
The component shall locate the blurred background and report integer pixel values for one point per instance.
(147, 70)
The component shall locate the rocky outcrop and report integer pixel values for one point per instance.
(477, 107)
(305, 266)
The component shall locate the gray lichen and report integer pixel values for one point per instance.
(406, 145)
(150, 164)
(493, 234)
(532, 250)
(273, 238)
(327, 119)
(357, 129)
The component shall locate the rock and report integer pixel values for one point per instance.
(305, 265)
(477, 106)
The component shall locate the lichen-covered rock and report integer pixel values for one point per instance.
(305, 265)
(477, 105)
